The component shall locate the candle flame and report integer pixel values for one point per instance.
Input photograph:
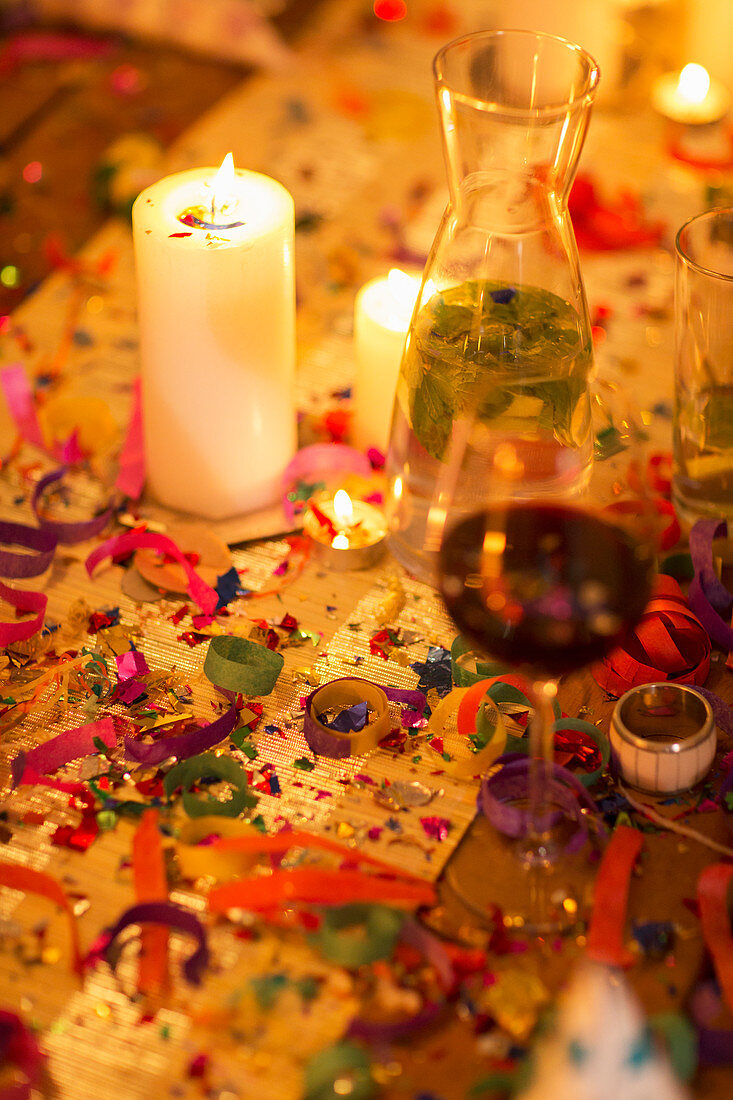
(223, 194)
(343, 508)
(694, 83)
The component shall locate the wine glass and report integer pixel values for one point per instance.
(545, 551)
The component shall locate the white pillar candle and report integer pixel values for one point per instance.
(216, 310)
(382, 314)
(710, 37)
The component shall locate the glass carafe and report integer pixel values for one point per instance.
(501, 322)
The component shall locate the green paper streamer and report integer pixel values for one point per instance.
(356, 935)
(344, 1060)
(208, 765)
(238, 664)
(466, 677)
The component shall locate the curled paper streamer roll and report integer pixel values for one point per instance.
(709, 598)
(172, 916)
(122, 545)
(42, 541)
(66, 746)
(605, 942)
(239, 664)
(668, 643)
(65, 531)
(204, 766)
(22, 601)
(185, 745)
(379, 927)
(320, 462)
(29, 881)
(501, 792)
(346, 692)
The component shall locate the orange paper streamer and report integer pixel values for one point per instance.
(285, 840)
(712, 896)
(36, 882)
(315, 887)
(668, 643)
(151, 884)
(610, 899)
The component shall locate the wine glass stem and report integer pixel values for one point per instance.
(541, 756)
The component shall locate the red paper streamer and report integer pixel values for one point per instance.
(151, 884)
(610, 899)
(668, 643)
(131, 473)
(315, 887)
(29, 881)
(712, 896)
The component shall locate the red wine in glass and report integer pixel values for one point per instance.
(547, 586)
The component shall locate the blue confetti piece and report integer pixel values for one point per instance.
(435, 671)
(227, 587)
(503, 296)
(350, 720)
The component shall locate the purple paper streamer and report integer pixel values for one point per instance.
(34, 538)
(715, 1045)
(722, 713)
(181, 920)
(707, 596)
(411, 696)
(187, 744)
(67, 533)
(509, 784)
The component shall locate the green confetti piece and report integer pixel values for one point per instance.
(304, 764)
(106, 819)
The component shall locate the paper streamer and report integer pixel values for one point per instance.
(451, 704)
(66, 532)
(120, 546)
(668, 643)
(238, 664)
(22, 601)
(605, 943)
(19, 566)
(319, 462)
(151, 884)
(715, 1044)
(205, 766)
(185, 745)
(21, 405)
(347, 691)
(342, 1062)
(237, 845)
(709, 598)
(378, 927)
(503, 794)
(18, 1051)
(712, 896)
(63, 748)
(172, 916)
(315, 887)
(28, 881)
(131, 473)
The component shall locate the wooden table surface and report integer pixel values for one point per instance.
(64, 116)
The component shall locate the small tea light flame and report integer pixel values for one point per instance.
(343, 509)
(694, 83)
(223, 194)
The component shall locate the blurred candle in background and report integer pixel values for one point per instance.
(709, 39)
(382, 314)
(216, 307)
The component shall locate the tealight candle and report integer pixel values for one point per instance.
(216, 308)
(346, 534)
(690, 96)
(382, 314)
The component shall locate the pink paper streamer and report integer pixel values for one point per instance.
(123, 545)
(22, 407)
(131, 474)
(708, 597)
(67, 746)
(22, 601)
(319, 462)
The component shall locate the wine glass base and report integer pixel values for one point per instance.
(537, 893)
